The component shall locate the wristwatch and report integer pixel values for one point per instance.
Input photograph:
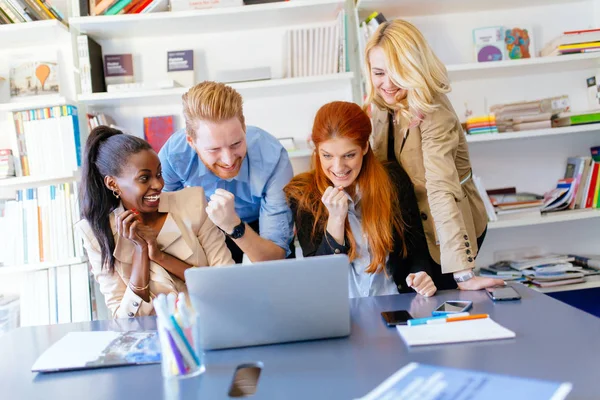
(464, 276)
(238, 231)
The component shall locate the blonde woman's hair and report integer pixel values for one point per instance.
(411, 64)
(213, 102)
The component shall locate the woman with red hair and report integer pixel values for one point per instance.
(351, 203)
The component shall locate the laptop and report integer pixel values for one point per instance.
(271, 302)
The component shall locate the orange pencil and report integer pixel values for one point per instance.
(467, 317)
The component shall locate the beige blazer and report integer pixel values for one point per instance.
(436, 157)
(187, 234)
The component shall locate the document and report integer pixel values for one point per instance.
(425, 382)
(454, 332)
(84, 350)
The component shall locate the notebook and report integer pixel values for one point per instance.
(454, 332)
(85, 350)
(417, 381)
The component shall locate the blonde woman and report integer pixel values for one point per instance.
(415, 124)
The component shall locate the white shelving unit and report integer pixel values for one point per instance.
(558, 216)
(157, 97)
(34, 102)
(226, 19)
(25, 268)
(35, 181)
(412, 8)
(38, 33)
(537, 133)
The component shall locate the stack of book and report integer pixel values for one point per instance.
(529, 115)
(114, 7)
(7, 163)
(576, 118)
(573, 42)
(510, 204)
(18, 11)
(482, 124)
(544, 270)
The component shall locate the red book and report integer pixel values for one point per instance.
(140, 6)
(157, 130)
(582, 31)
(592, 190)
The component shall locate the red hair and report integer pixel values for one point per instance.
(379, 201)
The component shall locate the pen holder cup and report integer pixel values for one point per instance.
(182, 354)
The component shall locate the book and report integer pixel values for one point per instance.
(419, 381)
(91, 70)
(33, 77)
(577, 118)
(118, 68)
(544, 284)
(519, 43)
(157, 130)
(99, 349)
(537, 260)
(489, 44)
(180, 67)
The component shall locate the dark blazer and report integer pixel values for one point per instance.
(417, 259)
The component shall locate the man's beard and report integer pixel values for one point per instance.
(222, 173)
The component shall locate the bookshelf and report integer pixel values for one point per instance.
(36, 33)
(555, 217)
(34, 102)
(537, 65)
(412, 8)
(157, 97)
(226, 19)
(24, 182)
(537, 133)
(25, 268)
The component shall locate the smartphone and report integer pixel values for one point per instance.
(453, 307)
(399, 317)
(501, 293)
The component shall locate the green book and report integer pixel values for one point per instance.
(117, 7)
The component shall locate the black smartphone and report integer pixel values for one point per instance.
(399, 317)
(503, 293)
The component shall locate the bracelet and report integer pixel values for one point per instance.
(137, 288)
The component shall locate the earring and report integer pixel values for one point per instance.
(116, 193)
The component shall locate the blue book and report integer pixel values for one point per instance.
(417, 381)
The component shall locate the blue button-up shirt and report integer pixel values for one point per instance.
(258, 188)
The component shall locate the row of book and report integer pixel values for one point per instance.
(46, 141)
(7, 163)
(544, 270)
(37, 225)
(19, 11)
(319, 50)
(573, 42)
(579, 188)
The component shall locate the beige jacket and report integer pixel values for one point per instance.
(187, 234)
(436, 157)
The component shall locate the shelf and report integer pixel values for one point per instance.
(172, 24)
(559, 216)
(410, 8)
(566, 130)
(33, 102)
(275, 86)
(25, 182)
(20, 269)
(536, 65)
(591, 282)
(30, 34)
(300, 153)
